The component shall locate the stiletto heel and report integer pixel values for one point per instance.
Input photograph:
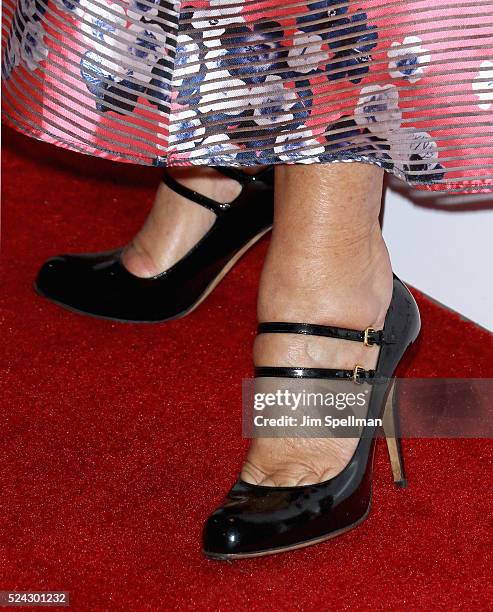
(391, 431)
(259, 520)
(99, 285)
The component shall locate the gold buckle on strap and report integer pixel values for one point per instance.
(356, 371)
(366, 336)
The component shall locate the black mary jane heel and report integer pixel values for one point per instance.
(98, 284)
(257, 520)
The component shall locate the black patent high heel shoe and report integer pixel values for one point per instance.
(259, 520)
(98, 284)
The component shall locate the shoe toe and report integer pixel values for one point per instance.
(79, 282)
(224, 534)
(53, 278)
(70, 281)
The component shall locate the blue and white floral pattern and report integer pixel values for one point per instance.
(415, 156)
(132, 48)
(409, 59)
(232, 73)
(306, 53)
(71, 6)
(253, 52)
(29, 9)
(219, 150)
(378, 109)
(143, 8)
(301, 147)
(26, 44)
(189, 131)
(375, 133)
(11, 57)
(32, 46)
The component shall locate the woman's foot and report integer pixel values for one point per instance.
(300, 461)
(326, 276)
(175, 223)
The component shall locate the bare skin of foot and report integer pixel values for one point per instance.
(327, 264)
(176, 224)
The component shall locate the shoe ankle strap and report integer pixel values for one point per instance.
(357, 375)
(266, 176)
(216, 207)
(244, 178)
(369, 336)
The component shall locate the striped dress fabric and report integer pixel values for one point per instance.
(403, 84)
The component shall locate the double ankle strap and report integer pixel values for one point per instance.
(264, 176)
(368, 336)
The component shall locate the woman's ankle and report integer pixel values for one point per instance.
(352, 290)
(346, 292)
(175, 224)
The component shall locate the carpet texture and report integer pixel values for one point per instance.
(118, 440)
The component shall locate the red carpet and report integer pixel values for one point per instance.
(118, 440)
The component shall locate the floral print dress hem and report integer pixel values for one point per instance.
(403, 84)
